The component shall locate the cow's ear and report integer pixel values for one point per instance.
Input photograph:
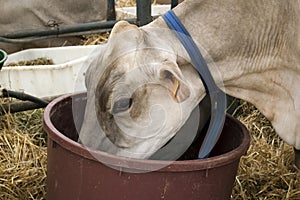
(122, 26)
(178, 89)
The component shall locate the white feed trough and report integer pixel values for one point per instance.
(47, 80)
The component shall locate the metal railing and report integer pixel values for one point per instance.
(143, 9)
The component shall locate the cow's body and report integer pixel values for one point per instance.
(31, 15)
(253, 52)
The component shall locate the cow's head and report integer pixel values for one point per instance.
(143, 95)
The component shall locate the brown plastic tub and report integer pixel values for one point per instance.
(75, 173)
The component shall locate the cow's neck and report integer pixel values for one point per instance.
(266, 76)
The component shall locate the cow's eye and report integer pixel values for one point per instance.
(122, 105)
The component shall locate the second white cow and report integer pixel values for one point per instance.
(38, 15)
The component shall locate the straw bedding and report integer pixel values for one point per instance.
(266, 172)
(23, 156)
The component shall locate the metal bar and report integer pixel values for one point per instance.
(65, 30)
(174, 3)
(110, 12)
(18, 107)
(23, 96)
(22, 106)
(143, 12)
(32, 39)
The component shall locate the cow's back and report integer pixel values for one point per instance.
(226, 27)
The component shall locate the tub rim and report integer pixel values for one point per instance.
(140, 164)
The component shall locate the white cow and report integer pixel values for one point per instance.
(141, 86)
(30, 15)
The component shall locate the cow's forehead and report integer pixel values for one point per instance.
(137, 46)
